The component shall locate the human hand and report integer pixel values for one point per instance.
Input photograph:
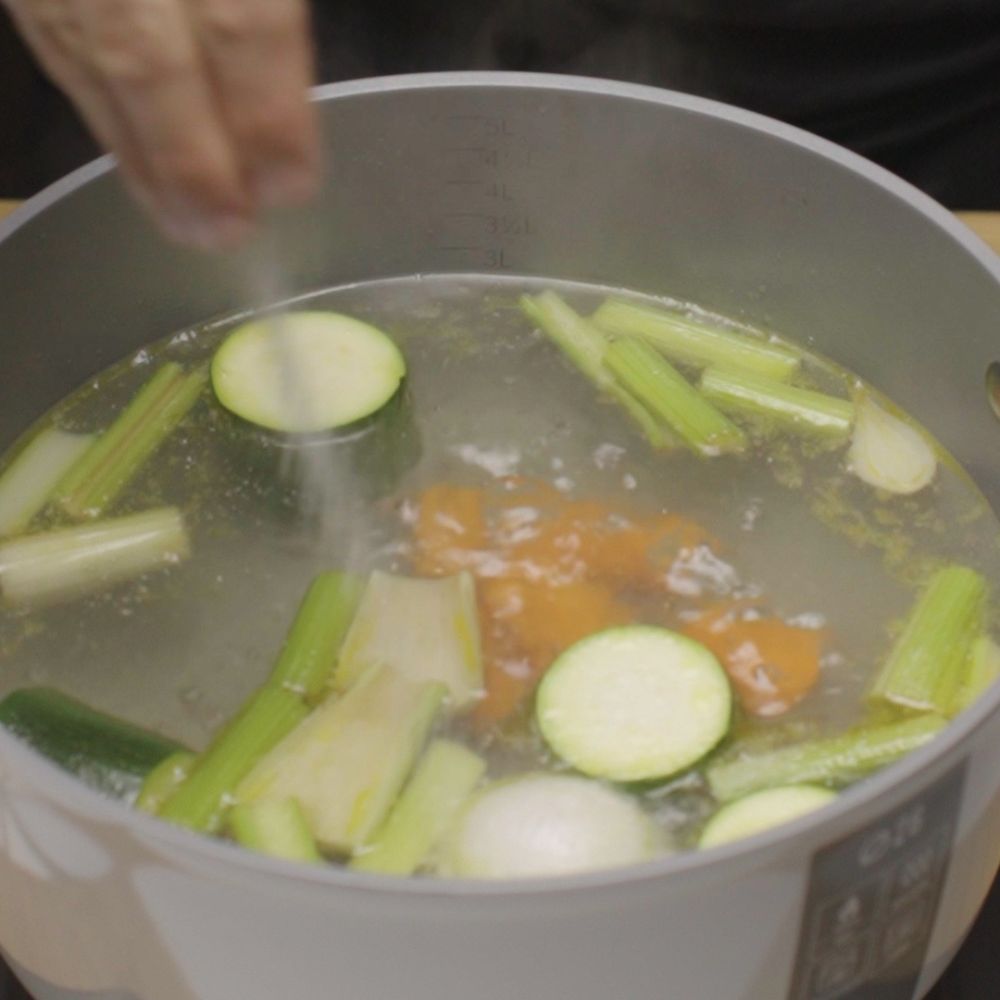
(204, 102)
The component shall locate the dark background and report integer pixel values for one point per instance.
(912, 84)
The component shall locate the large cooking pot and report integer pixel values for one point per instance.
(566, 178)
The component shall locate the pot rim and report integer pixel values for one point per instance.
(754, 851)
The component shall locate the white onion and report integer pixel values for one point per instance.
(887, 452)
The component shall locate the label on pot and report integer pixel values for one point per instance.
(872, 900)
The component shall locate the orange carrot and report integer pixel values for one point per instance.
(772, 664)
(450, 530)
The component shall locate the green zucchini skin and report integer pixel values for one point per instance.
(371, 456)
(103, 751)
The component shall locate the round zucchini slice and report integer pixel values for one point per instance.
(634, 703)
(306, 372)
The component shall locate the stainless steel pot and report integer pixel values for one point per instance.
(565, 178)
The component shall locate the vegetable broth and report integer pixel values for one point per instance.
(494, 406)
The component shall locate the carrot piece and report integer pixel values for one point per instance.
(773, 665)
(450, 530)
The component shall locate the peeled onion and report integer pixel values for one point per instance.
(887, 452)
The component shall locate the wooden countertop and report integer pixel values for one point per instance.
(986, 224)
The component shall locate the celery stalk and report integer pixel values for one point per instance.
(57, 565)
(348, 761)
(28, 481)
(276, 828)
(442, 781)
(164, 780)
(265, 720)
(117, 455)
(787, 405)
(657, 384)
(836, 760)
(982, 670)
(310, 651)
(925, 667)
(689, 341)
(586, 346)
(425, 629)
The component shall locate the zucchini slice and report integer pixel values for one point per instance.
(306, 372)
(762, 810)
(548, 824)
(634, 703)
(105, 752)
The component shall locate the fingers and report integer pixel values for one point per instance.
(146, 54)
(259, 60)
(203, 101)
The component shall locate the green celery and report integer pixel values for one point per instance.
(836, 760)
(200, 801)
(689, 341)
(277, 828)
(982, 670)
(100, 474)
(661, 388)
(164, 780)
(66, 562)
(310, 651)
(586, 346)
(27, 483)
(925, 667)
(787, 405)
(441, 783)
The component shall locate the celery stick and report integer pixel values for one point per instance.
(585, 346)
(164, 780)
(118, 454)
(692, 342)
(787, 405)
(277, 828)
(425, 629)
(122, 466)
(657, 384)
(115, 437)
(442, 781)
(348, 761)
(925, 667)
(982, 670)
(310, 651)
(265, 720)
(57, 565)
(836, 761)
(27, 482)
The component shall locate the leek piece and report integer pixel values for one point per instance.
(68, 562)
(836, 760)
(428, 630)
(348, 761)
(116, 456)
(265, 720)
(670, 396)
(787, 405)
(689, 341)
(443, 780)
(887, 452)
(982, 670)
(164, 780)
(585, 346)
(28, 481)
(277, 828)
(310, 652)
(925, 668)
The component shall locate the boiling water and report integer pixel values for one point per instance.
(489, 398)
